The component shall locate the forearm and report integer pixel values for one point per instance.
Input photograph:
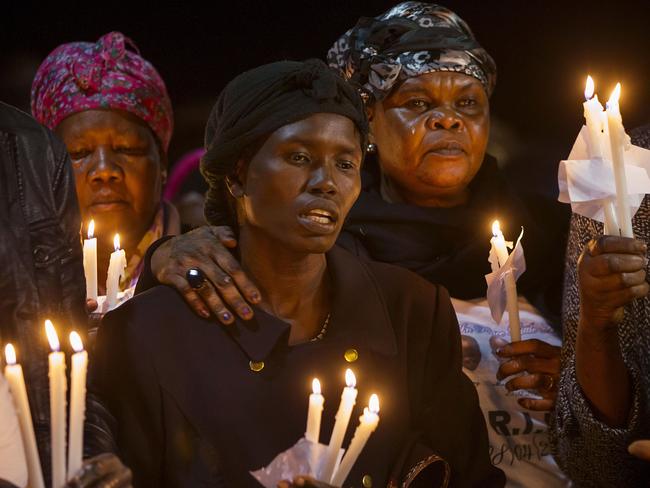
(602, 375)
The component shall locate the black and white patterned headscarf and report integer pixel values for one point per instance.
(411, 39)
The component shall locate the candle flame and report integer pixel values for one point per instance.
(91, 229)
(373, 404)
(75, 342)
(52, 338)
(10, 354)
(315, 386)
(116, 242)
(496, 228)
(614, 97)
(350, 379)
(589, 88)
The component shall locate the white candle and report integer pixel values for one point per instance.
(595, 120)
(512, 305)
(314, 414)
(58, 386)
(16, 380)
(77, 404)
(316, 401)
(617, 141)
(116, 268)
(348, 399)
(367, 425)
(90, 262)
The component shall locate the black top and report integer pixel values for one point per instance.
(191, 411)
(450, 246)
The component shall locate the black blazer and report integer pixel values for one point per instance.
(191, 411)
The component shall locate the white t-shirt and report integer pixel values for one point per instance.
(518, 437)
(13, 467)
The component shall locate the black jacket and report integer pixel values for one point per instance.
(192, 411)
(40, 256)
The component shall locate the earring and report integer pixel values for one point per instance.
(372, 148)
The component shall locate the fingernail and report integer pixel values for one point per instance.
(226, 316)
(246, 311)
(255, 297)
(204, 313)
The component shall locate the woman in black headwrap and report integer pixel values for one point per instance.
(198, 405)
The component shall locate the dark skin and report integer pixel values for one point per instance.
(292, 198)
(431, 134)
(611, 274)
(119, 172)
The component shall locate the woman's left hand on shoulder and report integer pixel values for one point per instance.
(541, 363)
(303, 482)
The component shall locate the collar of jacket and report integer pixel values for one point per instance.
(359, 313)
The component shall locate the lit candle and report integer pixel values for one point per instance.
(58, 386)
(90, 262)
(116, 268)
(596, 121)
(367, 425)
(316, 401)
(617, 139)
(348, 399)
(77, 404)
(314, 414)
(16, 380)
(500, 249)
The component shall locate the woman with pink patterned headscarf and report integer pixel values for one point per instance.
(111, 108)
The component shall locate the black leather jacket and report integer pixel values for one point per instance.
(41, 266)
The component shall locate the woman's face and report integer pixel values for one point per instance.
(118, 169)
(431, 133)
(300, 185)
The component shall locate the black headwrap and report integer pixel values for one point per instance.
(260, 101)
(410, 39)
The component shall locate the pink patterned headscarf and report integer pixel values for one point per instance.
(106, 75)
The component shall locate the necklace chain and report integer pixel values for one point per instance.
(323, 330)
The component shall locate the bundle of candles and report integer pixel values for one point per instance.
(116, 268)
(328, 471)
(58, 386)
(606, 127)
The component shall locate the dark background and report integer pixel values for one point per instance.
(543, 49)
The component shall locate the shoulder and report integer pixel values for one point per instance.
(146, 315)
(399, 283)
(39, 144)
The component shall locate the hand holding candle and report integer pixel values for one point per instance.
(367, 424)
(77, 404)
(16, 380)
(58, 387)
(348, 399)
(116, 268)
(90, 262)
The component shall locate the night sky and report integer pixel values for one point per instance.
(543, 49)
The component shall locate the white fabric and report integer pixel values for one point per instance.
(519, 443)
(13, 467)
(585, 183)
